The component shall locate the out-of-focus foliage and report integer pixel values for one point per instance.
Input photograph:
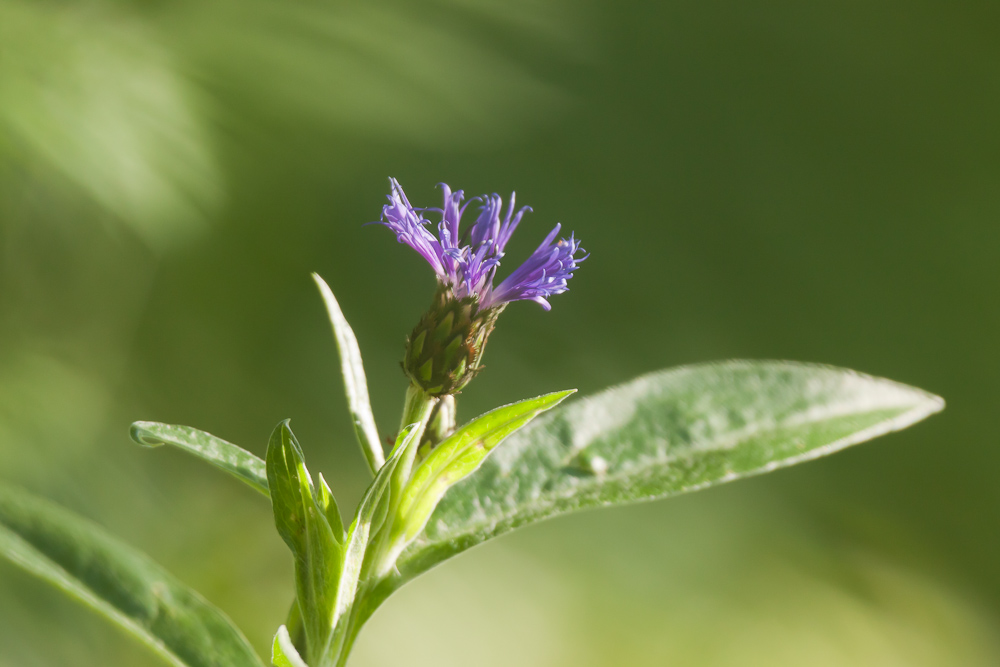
(809, 181)
(120, 102)
(91, 99)
(120, 583)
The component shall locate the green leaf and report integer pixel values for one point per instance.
(459, 456)
(235, 460)
(119, 582)
(398, 503)
(302, 522)
(355, 384)
(661, 435)
(330, 509)
(283, 653)
(368, 519)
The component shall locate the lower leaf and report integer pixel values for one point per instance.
(120, 583)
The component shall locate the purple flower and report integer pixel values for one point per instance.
(467, 262)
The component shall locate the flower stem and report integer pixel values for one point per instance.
(417, 409)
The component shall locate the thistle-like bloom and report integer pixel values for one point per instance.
(444, 351)
(467, 262)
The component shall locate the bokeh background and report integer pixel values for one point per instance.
(758, 179)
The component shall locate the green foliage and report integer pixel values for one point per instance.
(368, 521)
(456, 458)
(355, 384)
(661, 435)
(235, 460)
(120, 583)
(401, 498)
(96, 99)
(283, 651)
(302, 521)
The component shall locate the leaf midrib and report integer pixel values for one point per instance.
(76, 588)
(544, 501)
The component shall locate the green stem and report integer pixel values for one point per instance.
(417, 409)
(370, 598)
(416, 406)
(354, 625)
(440, 426)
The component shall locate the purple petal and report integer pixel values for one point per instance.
(410, 228)
(544, 274)
(470, 269)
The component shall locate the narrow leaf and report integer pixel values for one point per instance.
(302, 522)
(368, 518)
(460, 455)
(283, 652)
(120, 583)
(235, 460)
(355, 384)
(331, 510)
(661, 435)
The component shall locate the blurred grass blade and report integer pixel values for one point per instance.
(355, 384)
(283, 653)
(301, 521)
(660, 435)
(119, 582)
(235, 460)
(458, 457)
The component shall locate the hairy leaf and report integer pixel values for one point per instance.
(368, 520)
(301, 519)
(660, 435)
(120, 583)
(460, 455)
(355, 384)
(235, 460)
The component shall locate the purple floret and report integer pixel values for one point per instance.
(470, 269)
(545, 273)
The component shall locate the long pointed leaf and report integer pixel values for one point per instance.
(301, 519)
(368, 518)
(120, 583)
(355, 383)
(231, 458)
(459, 456)
(661, 435)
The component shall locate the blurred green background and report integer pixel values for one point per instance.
(763, 179)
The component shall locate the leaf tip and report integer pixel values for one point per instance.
(929, 404)
(281, 435)
(557, 397)
(283, 651)
(324, 288)
(140, 434)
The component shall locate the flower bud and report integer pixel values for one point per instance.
(444, 350)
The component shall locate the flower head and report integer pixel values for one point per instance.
(444, 351)
(467, 262)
